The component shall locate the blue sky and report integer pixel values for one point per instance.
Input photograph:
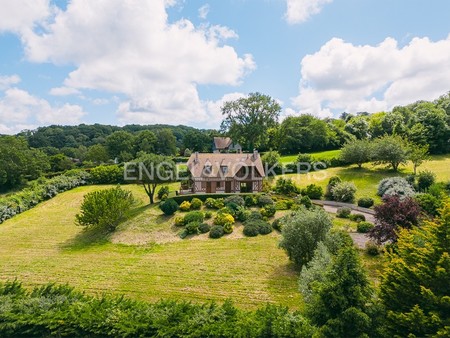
(167, 61)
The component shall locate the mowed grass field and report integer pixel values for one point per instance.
(323, 155)
(367, 178)
(144, 259)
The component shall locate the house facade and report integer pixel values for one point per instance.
(224, 173)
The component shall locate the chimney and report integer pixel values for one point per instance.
(196, 157)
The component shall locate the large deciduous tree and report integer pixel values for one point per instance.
(357, 152)
(391, 150)
(415, 285)
(248, 119)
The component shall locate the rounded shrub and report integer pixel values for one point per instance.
(265, 228)
(163, 191)
(185, 206)
(179, 221)
(210, 203)
(242, 214)
(169, 206)
(429, 203)
(277, 224)
(254, 215)
(251, 230)
(223, 218)
(366, 202)
(203, 228)
(343, 212)
(235, 199)
(364, 227)
(357, 217)
(208, 214)
(228, 228)
(313, 191)
(194, 216)
(306, 201)
(192, 228)
(372, 248)
(268, 211)
(425, 179)
(196, 204)
(216, 231)
(263, 200)
(331, 183)
(344, 192)
(393, 186)
(250, 201)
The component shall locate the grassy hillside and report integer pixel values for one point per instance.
(144, 258)
(367, 178)
(323, 155)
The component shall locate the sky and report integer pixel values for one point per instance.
(177, 61)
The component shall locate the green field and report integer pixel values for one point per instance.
(144, 259)
(323, 155)
(367, 178)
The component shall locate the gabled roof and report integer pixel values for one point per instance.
(221, 143)
(234, 162)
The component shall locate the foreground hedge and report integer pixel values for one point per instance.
(181, 198)
(60, 311)
(40, 190)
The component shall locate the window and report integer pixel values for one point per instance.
(223, 169)
(207, 169)
(218, 184)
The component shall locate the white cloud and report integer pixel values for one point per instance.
(20, 109)
(21, 15)
(129, 47)
(7, 81)
(64, 91)
(203, 11)
(301, 10)
(344, 77)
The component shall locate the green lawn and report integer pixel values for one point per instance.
(144, 258)
(367, 178)
(323, 155)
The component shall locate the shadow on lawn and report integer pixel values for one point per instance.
(96, 236)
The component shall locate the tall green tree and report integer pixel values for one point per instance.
(417, 155)
(166, 142)
(145, 141)
(246, 120)
(196, 140)
(392, 150)
(120, 144)
(415, 287)
(357, 152)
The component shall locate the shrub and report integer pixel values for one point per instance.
(234, 199)
(429, 203)
(366, 202)
(216, 231)
(196, 204)
(268, 211)
(250, 201)
(105, 208)
(106, 174)
(210, 203)
(372, 248)
(185, 206)
(335, 240)
(304, 158)
(264, 228)
(163, 191)
(194, 216)
(242, 214)
(228, 228)
(425, 179)
(344, 192)
(285, 186)
(251, 230)
(219, 203)
(203, 228)
(283, 205)
(223, 218)
(302, 231)
(179, 221)
(278, 224)
(306, 201)
(357, 217)
(343, 212)
(192, 228)
(263, 200)
(313, 191)
(208, 214)
(395, 186)
(254, 215)
(331, 183)
(168, 207)
(364, 227)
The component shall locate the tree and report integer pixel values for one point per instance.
(196, 140)
(302, 231)
(417, 155)
(145, 141)
(395, 213)
(151, 170)
(339, 303)
(357, 152)
(415, 285)
(120, 144)
(391, 150)
(358, 126)
(105, 208)
(248, 119)
(97, 154)
(60, 162)
(166, 143)
(271, 159)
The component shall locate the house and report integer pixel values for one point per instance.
(224, 173)
(225, 144)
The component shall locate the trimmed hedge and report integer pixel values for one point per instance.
(181, 198)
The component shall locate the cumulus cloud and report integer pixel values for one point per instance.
(19, 110)
(21, 15)
(346, 77)
(8, 81)
(203, 11)
(129, 47)
(301, 10)
(63, 91)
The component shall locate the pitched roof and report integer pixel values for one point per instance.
(233, 162)
(222, 142)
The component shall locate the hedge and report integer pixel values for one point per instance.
(181, 198)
